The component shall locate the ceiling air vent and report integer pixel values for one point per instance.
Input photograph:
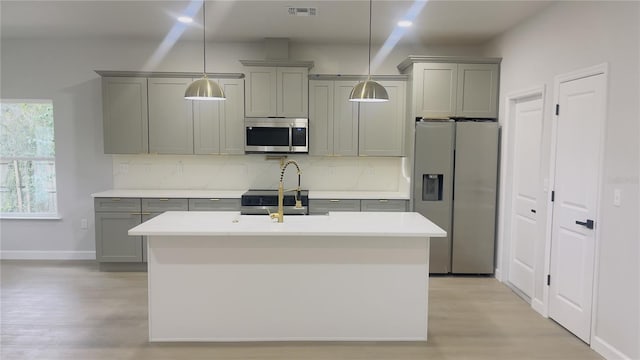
(302, 11)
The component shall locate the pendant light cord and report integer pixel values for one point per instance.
(204, 42)
(370, 7)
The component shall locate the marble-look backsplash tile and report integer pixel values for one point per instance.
(254, 171)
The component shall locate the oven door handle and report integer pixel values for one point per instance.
(290, 137)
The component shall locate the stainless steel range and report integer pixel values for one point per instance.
(263, 202)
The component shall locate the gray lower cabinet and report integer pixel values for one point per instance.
(214, 204)
(323, 206)
(384, 205)
(114, 217)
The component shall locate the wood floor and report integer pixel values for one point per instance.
(70, 310)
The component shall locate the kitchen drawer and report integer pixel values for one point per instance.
(384, 205)
(323, 206)
(162, 205)
(214, 204)
(116, 204)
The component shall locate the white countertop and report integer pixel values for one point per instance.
(231, 223)
(236, 194)
(193, 194)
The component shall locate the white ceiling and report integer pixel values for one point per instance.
(436, 22)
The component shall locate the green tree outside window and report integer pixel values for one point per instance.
(27, 158)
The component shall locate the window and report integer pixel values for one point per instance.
(27, 159)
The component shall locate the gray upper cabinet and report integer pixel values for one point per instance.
(232, 117)
(435, 86)
(219, 125)
(277, 91)
(170, 116)
(382, 125)
(452, 88)
(125, 120)
(477, 91)
(260, 95)
(150, 115)
(333, 119)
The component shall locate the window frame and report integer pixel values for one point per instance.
(55, 214)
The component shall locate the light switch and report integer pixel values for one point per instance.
(83, 224)
(617, 197)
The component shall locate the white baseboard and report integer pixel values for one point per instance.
(47, 255)
(538, 306)
(607, 350)
(498, 275)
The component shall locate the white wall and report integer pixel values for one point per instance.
(565, 37)
(62, 70)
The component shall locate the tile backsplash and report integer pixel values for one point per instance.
(239, 172)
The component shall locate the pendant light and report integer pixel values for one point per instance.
(369, 90)
(203, 88)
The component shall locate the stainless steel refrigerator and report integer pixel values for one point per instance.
(455, 184)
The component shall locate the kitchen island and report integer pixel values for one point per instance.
(222, 276)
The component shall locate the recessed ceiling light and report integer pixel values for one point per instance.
(405, 23)
(185, 19)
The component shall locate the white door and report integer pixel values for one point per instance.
(527, 120)
(579, 132)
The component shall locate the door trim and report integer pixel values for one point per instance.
(601, 69)
(506, 183)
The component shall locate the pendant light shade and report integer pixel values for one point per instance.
(204, 88)
(369, 90)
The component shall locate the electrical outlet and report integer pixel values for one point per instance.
(84, 224)
(617, 197)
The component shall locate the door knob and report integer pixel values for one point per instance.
(588, 224)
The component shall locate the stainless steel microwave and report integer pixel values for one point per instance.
(276, 135)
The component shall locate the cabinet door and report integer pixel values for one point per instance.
(214, 204)
(160, 205)
(170, 116)
(232, 117)
(125, 120)
(113, 244)
(206, 126)
(323, 206)
(477, 90)
(260, 96)
(384, 205)
(382, 124)
(292, 92)
(435, 89)
(321, 117)
(345, 120)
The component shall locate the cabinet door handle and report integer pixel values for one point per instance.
(214, 199)
(334, 200)
(383, 200)
(163, 199)
(115, 199)
(533, 211)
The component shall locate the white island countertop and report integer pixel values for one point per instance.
(370, 224)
